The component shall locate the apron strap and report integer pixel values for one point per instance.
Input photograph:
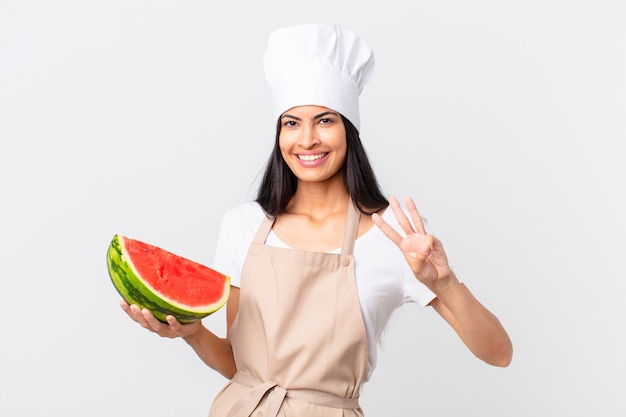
(352, 228)
(264, 230)
(277, 394)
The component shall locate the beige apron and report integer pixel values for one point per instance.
(299, 339)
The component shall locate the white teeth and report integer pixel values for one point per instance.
(311, 157)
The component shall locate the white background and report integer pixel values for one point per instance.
(504, 120)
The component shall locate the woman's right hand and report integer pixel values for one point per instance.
(172, 329)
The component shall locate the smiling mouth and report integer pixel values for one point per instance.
(310, 158)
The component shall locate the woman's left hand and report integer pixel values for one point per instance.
(479, 329)
(423, 252)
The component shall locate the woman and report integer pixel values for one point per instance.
(320, 260)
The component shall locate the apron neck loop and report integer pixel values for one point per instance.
(352, 227)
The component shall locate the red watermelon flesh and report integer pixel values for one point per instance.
(177, 278)
(163, 282)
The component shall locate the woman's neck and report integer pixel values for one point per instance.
(319, 200)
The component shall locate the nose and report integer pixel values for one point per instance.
(308, 136)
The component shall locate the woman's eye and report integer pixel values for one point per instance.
(326, 121)
(289, 123)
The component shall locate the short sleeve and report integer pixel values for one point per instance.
(225, 259)
(415, 291)
(237, 230)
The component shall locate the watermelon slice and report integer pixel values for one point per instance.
(165, 283)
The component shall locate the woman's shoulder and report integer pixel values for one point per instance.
(245, 210)
(244, 217)
(239, 224)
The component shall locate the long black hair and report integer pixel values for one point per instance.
(279, 184)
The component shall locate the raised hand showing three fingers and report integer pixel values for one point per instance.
(423, 252)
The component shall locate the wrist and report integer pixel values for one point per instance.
(445, 283)
(194, 336)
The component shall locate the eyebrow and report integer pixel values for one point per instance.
(317, 116)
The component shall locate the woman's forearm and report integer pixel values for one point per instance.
(214, 351)
(480, 330)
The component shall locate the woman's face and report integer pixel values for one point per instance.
(312, 142)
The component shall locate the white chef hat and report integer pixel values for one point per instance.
(317, 64)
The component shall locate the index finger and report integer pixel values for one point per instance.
(387, 229)
(152, 321)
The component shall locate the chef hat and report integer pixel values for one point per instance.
(317, 64)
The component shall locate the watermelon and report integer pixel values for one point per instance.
(163, 282)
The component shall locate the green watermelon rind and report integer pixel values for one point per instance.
(134, 290)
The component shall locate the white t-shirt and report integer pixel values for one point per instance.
(384, 279)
